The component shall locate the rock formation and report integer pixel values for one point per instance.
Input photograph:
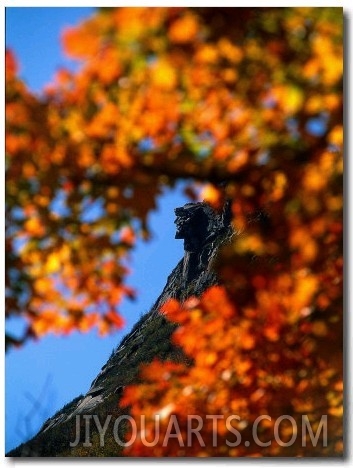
(203, 231)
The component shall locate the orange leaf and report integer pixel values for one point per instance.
(80, 42)
(171, 308)
(114, 319)
(184, 29)
(127, 236)
(34, 227)
(10, 65)
(87, 322)
(215, 299)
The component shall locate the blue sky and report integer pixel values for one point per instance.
(54, 370)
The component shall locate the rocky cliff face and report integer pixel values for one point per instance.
(203, 231)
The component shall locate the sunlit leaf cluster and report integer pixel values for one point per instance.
(245, 104)
(246, 364)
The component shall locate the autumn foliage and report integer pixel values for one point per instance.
(248, 98)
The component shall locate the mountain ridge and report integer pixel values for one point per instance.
(204, 231)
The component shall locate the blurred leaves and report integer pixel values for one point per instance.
(246, 99)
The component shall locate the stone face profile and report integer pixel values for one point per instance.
(199, 225)
(192, 222)
(196, 223)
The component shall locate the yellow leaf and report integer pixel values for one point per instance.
(305, 289)
(164, 75)
(293, 100)
(211, 195)
(53, 263)
(289, 98)
(251, 243)
(335, 137)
